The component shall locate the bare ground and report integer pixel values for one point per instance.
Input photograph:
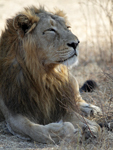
(91, 66)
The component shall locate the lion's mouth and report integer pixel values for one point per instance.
(75, 54)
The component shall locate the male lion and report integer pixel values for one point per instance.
(36, 88)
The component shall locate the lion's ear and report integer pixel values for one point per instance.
(23, 24)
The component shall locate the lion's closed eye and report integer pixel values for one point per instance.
(50, 30)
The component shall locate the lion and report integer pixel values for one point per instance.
(39, 97)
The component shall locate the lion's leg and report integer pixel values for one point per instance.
(50, 133)
(23, 127)
(89, 128)
(85, 108)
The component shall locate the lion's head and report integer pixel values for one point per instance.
(49, 32)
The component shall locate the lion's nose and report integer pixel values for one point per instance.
(73, 44)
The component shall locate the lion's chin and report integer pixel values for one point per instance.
(71, 62)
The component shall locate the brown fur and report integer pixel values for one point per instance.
(29, 87)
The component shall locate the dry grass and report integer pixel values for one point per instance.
(96, 62)
(92, 22)
(98, 26)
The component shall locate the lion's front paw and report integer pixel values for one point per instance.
(57, 131)
(89, 110)
(91, 130)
